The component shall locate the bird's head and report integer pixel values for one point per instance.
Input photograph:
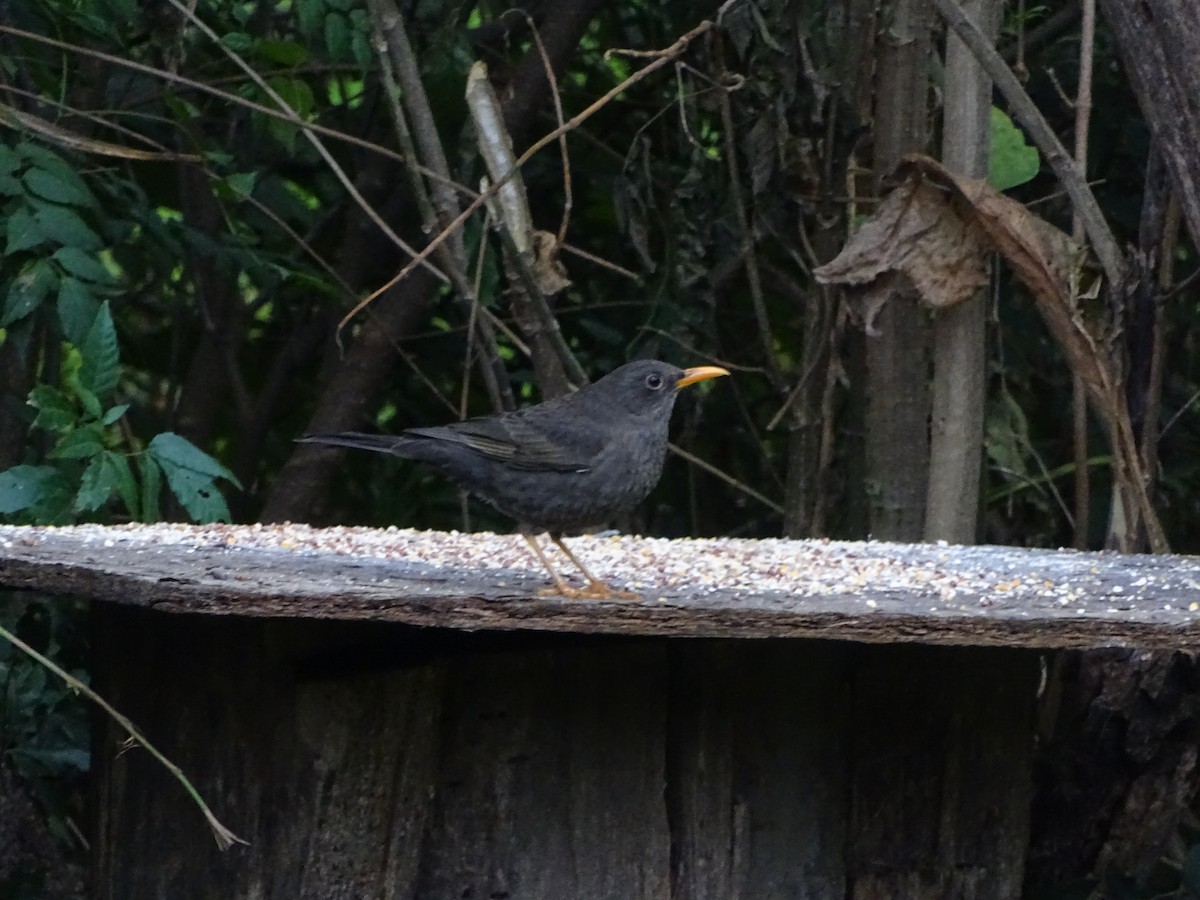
(648, 386)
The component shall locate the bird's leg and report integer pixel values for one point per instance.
(560, 586)
(596, 588)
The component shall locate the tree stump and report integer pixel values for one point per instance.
(385, 729)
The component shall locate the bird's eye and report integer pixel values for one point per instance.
(654, 382)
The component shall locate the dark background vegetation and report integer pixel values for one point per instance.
(177, 259)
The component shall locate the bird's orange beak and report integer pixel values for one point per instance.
(700, 373)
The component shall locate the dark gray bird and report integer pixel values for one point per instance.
(573, 461)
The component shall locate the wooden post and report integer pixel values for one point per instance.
(368, 759)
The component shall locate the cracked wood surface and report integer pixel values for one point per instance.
(984, 596)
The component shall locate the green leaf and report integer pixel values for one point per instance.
(42, 493)
(191, 474)
(126, 485)
(22, 487)
(171, 449)
(64, 226)
(101, 358)
(337, 35)
(151, 487)
(82, 265)
(10, 160)
(28, 290)
(114, 414)
(55, 759)
(45, 158)
(1011, 161)
(296, 93)
(236, 187)
(81, 443)
(310, 16)
(58, 187)
(91, 403)
(284, 53)
(99, 483)
(55, 410)
(197, 494)
(360, 48)
(77, 309)
(238, 41)
(10, 186)
(22, 232)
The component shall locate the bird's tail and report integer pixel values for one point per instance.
(380, 443)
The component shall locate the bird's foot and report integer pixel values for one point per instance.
(595, 590)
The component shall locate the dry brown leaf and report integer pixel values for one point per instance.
(936, 228)
(548, 270)
(917, 233)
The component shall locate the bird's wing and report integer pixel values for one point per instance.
(522, 441)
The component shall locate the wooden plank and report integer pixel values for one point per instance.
(379, 760)
(758, 785)
(982, 596)
(323, 765)
(552, 776)
(940, 752)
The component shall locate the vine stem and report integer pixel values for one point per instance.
(223, 836)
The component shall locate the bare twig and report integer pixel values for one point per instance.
(726, 477)
(1079, 410)
(234, 99)
(749, 255)
(15, 118)
(603, 263)
(511, 205)
(311, 137)
(1166, 268)
(516, 221)
(1107, 249)
(660, 59)
(480, 256)
(443, 205)
(1185, 283)
(224, 837)
(552, 80)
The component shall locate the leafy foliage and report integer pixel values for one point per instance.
(85, 468)
(44, 729)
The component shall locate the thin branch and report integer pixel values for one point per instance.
(224, 837)
(480, 257)
(296, 119)
(1179, 414)
(603, 263)
(749, 256)
(568, 200)
(513, 215)
(725, 476)
(1083, 114)
(541, 307)
(660, 59)
(396, 49)
(234, 99)
(16, 119)
(1107, 249)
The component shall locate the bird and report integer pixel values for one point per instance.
(558, 466)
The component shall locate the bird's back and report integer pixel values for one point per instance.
(555, 466)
